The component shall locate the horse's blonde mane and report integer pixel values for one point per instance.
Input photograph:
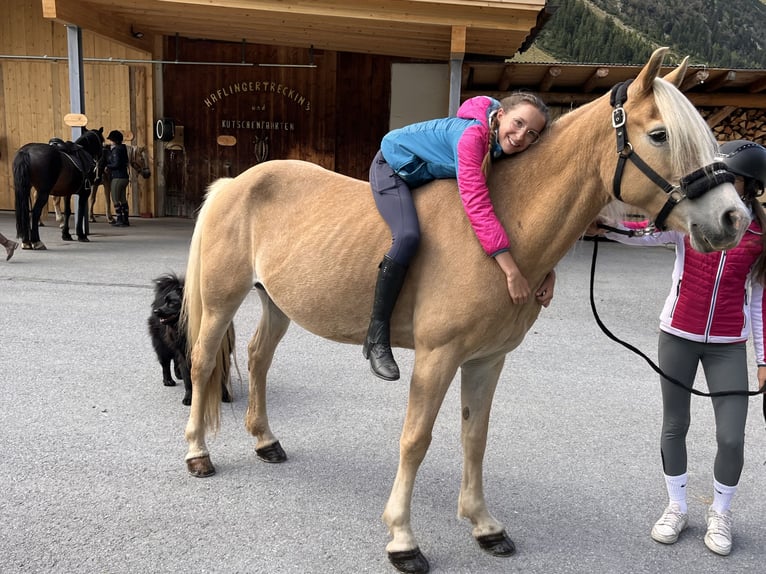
(691, 141)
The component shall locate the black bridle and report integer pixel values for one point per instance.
(691, 186)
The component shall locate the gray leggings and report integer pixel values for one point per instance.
(725, 368)
(119, 187)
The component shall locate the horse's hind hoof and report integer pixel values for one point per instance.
(272, 453)
(498, 544)
(200, 467)
(66, 237)
(26, 245)
(83, 239)
(39, 246)
(410, 561)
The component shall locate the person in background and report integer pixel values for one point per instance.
(10, 246)
(460, 147)
(117, 164)
(715, 302)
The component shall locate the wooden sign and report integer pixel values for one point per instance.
(75, 120)
(226, 140)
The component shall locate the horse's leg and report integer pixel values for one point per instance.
(92, 203)
(108, 201)
(203, 362)
(272, 327)
(34, 231)
(217, 314)
(57, 210)
(65, 235)
(478, 382)
(82, 215)
(432, 375)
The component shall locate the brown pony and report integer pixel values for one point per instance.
(311, 240)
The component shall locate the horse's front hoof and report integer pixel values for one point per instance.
(498, 544)
(39, 246)
(66, 237)
(83, 239)
(27, 245)
(272, 453)
(92, 219)
(410, 561)
(200, 467)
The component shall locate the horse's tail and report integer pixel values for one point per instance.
(191, 316)
(23, 188)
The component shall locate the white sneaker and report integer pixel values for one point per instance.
(718, 535)
(670, 525)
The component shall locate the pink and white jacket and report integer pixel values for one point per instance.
(713, 298)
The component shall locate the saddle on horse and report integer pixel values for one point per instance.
(85, 163)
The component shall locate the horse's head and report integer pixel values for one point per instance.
(665, 160)
(139, 160)
(92, 141)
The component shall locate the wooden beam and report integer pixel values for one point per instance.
(720, 115)
(757, 86)
(598, 74)
(700, 100)
(506, 77)
(521, 16)
(547, 81)
(71, 12)
(457, 45)
(694, 80)
(721, 80)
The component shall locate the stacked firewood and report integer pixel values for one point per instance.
(738, 123)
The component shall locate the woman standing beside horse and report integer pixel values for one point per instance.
(715, 301)
(117, 164)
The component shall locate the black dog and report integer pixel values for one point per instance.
(169, 337)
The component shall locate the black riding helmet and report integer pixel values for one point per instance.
(748, 159)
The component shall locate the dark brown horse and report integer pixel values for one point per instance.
(60, 169)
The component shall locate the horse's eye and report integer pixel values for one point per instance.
(659, 136)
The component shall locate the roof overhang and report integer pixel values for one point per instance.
(420, 29)
(576, 84)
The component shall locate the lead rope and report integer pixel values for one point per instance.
(638, 352)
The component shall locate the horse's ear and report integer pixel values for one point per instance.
(676, 77)
(643, 82)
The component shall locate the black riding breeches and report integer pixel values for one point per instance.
(394, 200)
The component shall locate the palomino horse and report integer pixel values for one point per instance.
(61, 169)
(311, 240)
(138, 158)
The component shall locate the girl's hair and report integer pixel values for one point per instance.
(507, 104)
(753, 189)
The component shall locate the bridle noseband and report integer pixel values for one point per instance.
(691, 186)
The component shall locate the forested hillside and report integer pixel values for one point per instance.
(718, 33)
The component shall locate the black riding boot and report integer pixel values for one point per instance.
(377, 345)
(125, 221)
(117, 219)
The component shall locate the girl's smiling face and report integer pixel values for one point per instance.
(519, 127)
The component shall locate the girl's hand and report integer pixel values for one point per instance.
(517, 285)
(544, 294)
(518, 288)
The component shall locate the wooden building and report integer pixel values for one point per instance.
(239, 81)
